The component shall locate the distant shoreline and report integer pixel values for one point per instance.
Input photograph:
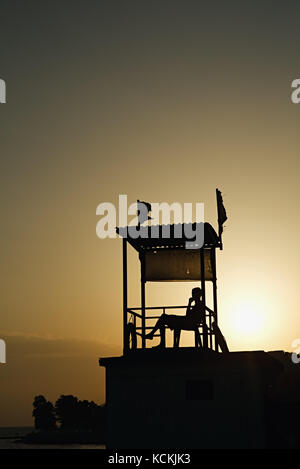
(62, 437)
(30, 436)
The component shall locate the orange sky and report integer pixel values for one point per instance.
(161, 104)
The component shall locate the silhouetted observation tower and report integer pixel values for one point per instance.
(183, 397)
(164, 257)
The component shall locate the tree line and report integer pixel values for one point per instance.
(68, 413)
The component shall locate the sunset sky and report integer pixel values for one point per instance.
(163, 101)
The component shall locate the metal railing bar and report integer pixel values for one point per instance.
(134, 313)
(157, 307)
(133, 310)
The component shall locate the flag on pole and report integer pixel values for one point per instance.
(222, 217)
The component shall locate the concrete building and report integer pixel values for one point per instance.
(188, 398)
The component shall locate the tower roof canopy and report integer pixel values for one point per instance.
(175, 236)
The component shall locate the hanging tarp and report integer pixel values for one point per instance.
(165, 265)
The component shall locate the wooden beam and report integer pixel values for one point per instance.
(143, 307)
(125, 335)
(202, 267)
(215, 302)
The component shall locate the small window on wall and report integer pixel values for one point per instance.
(199, 390)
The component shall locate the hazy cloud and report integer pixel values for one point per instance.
(50, 366)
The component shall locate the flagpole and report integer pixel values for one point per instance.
(220, 230)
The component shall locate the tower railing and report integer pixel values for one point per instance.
(134, 317)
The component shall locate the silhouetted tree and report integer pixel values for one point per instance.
(90, 415)
(75, 414)
(43, 413)
(66, 409)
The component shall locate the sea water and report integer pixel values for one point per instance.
(10, 435)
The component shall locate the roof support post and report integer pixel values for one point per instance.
(142, 259)
(202, 267)
(125, 335)
(215, 302)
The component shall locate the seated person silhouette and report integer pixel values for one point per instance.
(195, 316)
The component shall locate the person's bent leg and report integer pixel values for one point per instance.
(161, 322)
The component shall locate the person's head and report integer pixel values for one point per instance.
(196, 293)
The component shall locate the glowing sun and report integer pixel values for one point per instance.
(248, 318)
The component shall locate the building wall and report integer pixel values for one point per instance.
(215, 403)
